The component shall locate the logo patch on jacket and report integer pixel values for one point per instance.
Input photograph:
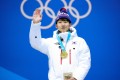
(74, 42)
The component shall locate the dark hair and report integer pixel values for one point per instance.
(63, 19)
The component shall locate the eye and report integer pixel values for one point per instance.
(65, 21)
(59, 22)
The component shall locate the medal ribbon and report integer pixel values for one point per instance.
(60, 42)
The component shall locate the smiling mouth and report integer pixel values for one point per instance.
(63, 27)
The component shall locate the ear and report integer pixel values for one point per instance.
(56, 26)
(70, 25)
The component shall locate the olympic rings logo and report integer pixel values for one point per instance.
(53, 16)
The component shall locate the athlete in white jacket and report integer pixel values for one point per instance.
(69, 55)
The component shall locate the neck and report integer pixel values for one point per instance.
(58, 32)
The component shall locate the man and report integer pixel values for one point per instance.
(69, 55)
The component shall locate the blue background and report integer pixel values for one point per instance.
(101, 30)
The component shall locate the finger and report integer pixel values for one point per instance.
(34, 13)
(38, 10)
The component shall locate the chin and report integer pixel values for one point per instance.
(63, 31)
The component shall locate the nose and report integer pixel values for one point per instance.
(63, 23)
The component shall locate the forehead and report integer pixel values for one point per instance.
(62, 20)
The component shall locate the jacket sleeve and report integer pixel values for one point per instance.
(84, 62)
(36, 41)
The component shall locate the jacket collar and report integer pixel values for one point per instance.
(65, 34)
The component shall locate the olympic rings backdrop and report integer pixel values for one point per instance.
(98, 22)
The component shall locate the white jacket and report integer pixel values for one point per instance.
(78, 60)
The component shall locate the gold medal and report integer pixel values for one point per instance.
(64, 54)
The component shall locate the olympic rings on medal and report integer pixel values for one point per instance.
(53, 16)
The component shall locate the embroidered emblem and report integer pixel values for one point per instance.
(74, 42)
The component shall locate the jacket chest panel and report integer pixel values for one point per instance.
(72, 49)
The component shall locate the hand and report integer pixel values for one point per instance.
(72, 78)
(37, 17)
